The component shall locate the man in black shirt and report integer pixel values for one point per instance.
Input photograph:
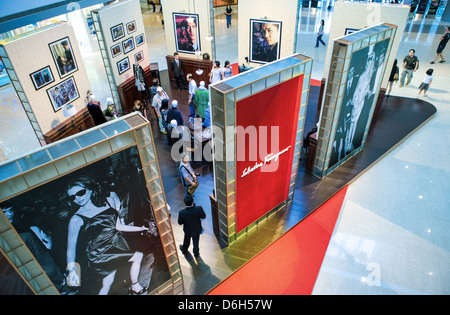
(410, 65)
(190, 218)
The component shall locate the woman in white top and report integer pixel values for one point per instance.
(216, 73)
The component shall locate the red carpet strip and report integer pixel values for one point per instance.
(291, 264)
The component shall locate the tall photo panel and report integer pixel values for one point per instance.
(123, 44)
(87, 215)
(257, 145)
(356, 71)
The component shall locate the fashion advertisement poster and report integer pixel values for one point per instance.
(93, 231)
(265, 145)
(365, 72)
(265, 41)
(187, 34)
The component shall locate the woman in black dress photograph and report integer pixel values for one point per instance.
(98, 218)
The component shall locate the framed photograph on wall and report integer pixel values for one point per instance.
(131, 27)
(139, 56)
(349, 31)
(140, 39)
(116, 50)
(187, 33)
(265, 40)
(117, 32)
(42, 77)
(64, 57)
(222, 3)
(128, 45)
(123, 65)
(63, 93)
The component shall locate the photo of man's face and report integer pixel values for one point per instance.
(265, 40)
(192, 30)
(187, 35)
(270, 33)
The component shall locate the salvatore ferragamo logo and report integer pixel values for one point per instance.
(269, 158)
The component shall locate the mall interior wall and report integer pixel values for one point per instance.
(200, 7)
(284, 11)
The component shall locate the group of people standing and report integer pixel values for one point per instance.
(170, 120)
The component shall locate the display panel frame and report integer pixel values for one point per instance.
(66, 157)
(225, 96)
(338, 77)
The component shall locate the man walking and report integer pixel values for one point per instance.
(410, 65)
(190, 218)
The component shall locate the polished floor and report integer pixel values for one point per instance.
(395, 217)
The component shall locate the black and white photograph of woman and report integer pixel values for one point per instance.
(104, 237)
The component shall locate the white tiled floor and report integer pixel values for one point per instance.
(392, 235)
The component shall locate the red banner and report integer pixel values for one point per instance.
(265, 142)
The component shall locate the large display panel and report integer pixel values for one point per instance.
(265, 142)
(121, 33)
(88, 215)
(357, 67)
(47, 72)
(363, 78)
(258, 119)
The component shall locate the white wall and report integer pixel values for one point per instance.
(124, 12)
(187, 6)
(29, 53)
(280, 10)
(364, 15)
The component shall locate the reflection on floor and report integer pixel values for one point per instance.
(395, 216)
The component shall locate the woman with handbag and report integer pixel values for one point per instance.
(188, 176)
